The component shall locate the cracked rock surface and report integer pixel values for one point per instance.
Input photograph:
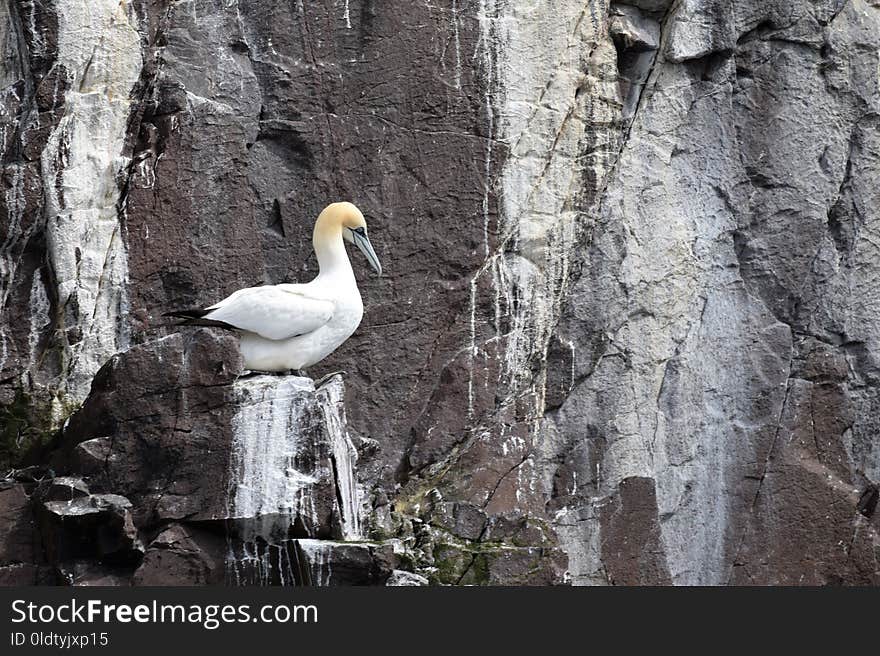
(629, 331)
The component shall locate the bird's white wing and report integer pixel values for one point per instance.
(273, 312)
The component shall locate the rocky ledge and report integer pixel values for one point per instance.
(181, 468)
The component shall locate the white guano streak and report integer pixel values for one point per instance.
(534, 56)
(266, 487)
(99, 48)
(344, 458)
(318, 555)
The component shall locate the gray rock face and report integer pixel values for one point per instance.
(714, 364)
(629, 331)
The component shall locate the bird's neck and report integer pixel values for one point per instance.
(333, 260)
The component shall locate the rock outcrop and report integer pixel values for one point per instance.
(180, 468)
(629, 331)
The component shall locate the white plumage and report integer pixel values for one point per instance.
(293, 326)
(275, 312)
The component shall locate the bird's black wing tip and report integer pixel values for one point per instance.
(186, 320)
(187, 314)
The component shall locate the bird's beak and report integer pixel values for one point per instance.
(363, 243)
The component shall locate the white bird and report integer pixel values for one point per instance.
(293, 326)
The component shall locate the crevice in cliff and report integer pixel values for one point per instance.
(644, 92)
(26, 95)
(310, 49)
(843, 214)
(504, 476)
(144, 140)
(841, 5)
(764, 470)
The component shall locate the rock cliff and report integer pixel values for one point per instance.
(629, 330)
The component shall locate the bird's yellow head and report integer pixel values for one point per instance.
(345, 219)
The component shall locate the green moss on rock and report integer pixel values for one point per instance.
(25, 426)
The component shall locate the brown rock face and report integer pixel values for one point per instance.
(17, 544)
(157, 427)
(632, 547)
(296, 109)
(183, 555)
(628, 331)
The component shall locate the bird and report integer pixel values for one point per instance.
(290, 327)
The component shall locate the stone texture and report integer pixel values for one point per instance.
(629, 331)
(200, 475)
(328, 563)
(183, 555)
(632, 547)
(706, 296)
(97, 526)
(402, 579)
(26, 574)
(157, 428)
(184, 437)
(17, 539)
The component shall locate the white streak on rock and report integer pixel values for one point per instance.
(15, 201)
(280, 462)
(534, 61)
(457, 43)
(15, 206)
(40, 308)
(344, 459)
(318, 557)
(487, 52)
(99, 48)
(266, 487)
(539, 53)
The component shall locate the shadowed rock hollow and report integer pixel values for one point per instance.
(629, 330)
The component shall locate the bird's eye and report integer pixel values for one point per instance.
(361, 231)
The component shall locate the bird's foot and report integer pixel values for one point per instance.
(326, 378)
(249, 373)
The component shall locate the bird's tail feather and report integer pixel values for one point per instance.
(195, 313)
(195, 317)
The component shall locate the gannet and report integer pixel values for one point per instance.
(293, 326)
